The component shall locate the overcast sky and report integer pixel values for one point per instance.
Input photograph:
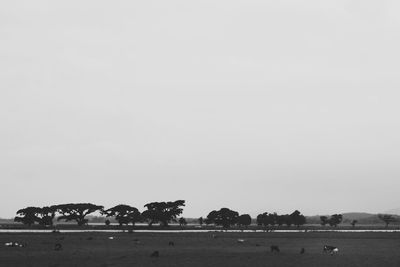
(253, 105)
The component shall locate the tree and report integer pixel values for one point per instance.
(279, 219)
(287, 220)
(244, 220)
(163, 212)
(124, 214)
(387, 218)
(224, 217)
(30, 215)
(297, 218)
(182, 222)
(46, 215)
(27, 215)
(335, 219)
(201, 221)
(353, 223)
(263, 219)
(324, 220)
(77, 212)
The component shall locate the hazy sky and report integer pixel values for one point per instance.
(253, 105)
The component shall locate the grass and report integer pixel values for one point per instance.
(200, 249)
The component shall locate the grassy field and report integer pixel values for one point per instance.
(200, 249)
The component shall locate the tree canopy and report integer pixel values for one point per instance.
(297, 218)
(244, 220)
(124, 214)
(77, 211)
(31, 215)
(224, 217)
(163, 212)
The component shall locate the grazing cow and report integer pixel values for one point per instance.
(240, 240)
(171, 243)
(275, 248)
(302, 251)
(330, 249)
(155, 254)
(57, 247)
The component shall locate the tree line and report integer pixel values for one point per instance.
(165, 213)
(155, 212)
(227, 218)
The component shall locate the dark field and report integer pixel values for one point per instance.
(200, 249)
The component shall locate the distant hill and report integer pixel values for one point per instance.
(6, 221)
(357, 215)
(395, 211)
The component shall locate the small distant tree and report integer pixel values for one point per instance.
(107, 222)
(124, 214)
(324, 220)
(201, 221)
(182, 222)
(244, 220)
(163, 212)
(77, 212)
(387, 218)
(335, 219)
(261, 221)
(224, 217)
(297, 218)
(353, 223)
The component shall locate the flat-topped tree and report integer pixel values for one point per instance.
(124, 214)
(27, 216)
(46, 215)
(31, 215)
(77, 212)
(163, 212)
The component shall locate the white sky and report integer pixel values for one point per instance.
(253, 105)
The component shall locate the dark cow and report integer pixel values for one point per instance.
(275, 248)
(302, 251)
(57, 246)
(171, 243)
(155, 254)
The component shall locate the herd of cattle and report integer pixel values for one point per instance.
(274, 248)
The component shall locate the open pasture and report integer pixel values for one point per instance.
(199, 249)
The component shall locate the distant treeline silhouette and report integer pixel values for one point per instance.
(156, 212)
(163, 213)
